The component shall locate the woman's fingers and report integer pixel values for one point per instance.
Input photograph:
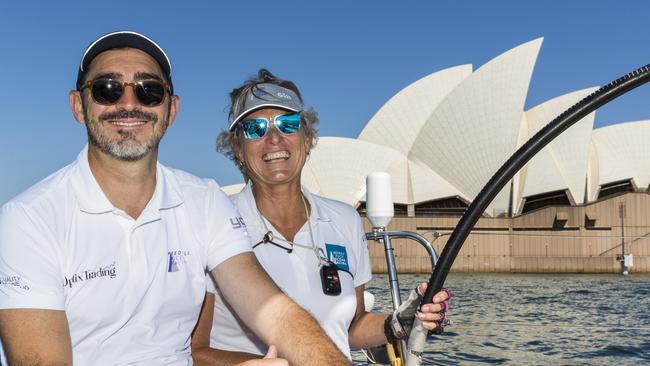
(441, 296)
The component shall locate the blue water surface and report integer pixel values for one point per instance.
(536, 319)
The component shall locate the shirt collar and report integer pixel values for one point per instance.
(93, 200)
(167, 192)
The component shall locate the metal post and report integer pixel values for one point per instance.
(392, 269)
(392, 277)
(380, 233)
(621, 214)
(621, 209)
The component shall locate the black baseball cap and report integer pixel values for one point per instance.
(122, 39)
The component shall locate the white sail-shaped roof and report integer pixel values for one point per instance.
(337, 168)
(233, 188)
(427, 185)
(562, 164)
(475, 128)
(593, 173)
(623, 152)
(398, 122)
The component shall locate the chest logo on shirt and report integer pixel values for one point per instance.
(237, 222)
(90, 274)
(177, 259)
(338, 254)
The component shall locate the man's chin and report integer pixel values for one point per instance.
(125, 153)
(130, 157)
(127, 148)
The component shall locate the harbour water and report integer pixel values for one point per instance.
(536, 319)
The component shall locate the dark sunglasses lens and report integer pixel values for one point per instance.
(106, 91)
(288, 123)
(150, 92)
(255, 128)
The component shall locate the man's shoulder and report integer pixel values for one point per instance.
(54, 187)
(194, 190)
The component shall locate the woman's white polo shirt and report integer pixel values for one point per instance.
(338, 230)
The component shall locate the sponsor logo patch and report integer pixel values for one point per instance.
(338, 254)
(176, 260)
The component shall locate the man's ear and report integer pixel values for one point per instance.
(173, 109)
(76, 105)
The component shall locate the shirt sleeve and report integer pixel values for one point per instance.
(30, 274)
(210, 286)
(228, 234)
(364, 270)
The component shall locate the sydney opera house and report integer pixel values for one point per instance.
(577, 206)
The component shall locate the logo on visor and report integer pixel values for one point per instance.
(283, 95)
(176, 260)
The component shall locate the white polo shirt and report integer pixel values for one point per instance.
(338, 230)
(132, 289)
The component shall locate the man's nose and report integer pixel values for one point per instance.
(129, 99)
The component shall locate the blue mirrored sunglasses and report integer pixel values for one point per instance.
(256, 128)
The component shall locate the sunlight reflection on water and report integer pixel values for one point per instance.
(537, 319)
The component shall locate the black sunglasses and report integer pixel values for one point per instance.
(106, 91)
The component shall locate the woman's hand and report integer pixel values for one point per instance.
(398, 325)
(433, 315)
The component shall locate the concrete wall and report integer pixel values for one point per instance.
(577, 239)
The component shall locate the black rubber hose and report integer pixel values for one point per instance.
(565, 120)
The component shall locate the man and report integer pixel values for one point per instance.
(104, 261)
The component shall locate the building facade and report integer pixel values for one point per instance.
(588, 238)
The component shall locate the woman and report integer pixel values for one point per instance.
(314, 248)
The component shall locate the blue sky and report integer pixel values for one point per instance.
(348, 58)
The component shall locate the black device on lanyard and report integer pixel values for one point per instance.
(329, 277)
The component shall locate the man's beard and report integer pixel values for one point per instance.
(126, 147)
